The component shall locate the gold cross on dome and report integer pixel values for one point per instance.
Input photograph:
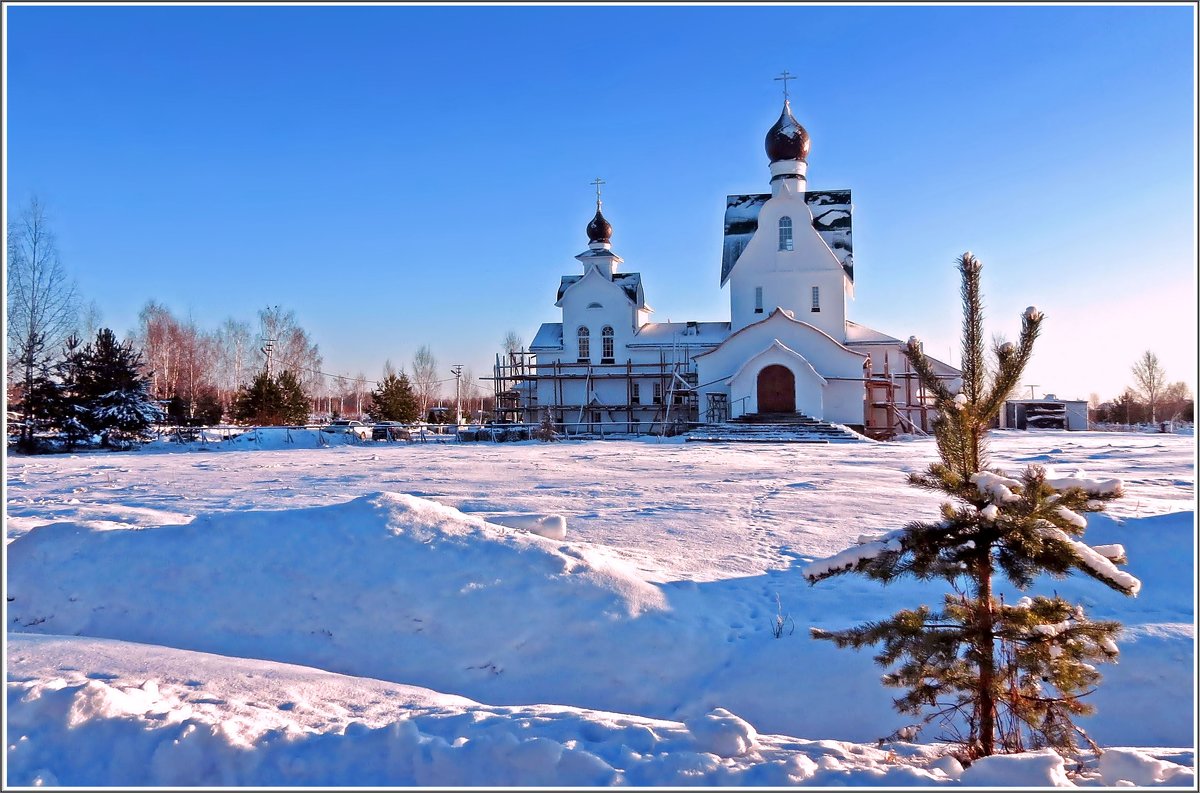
(785, 77)
(597, 181)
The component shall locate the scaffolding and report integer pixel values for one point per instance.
(896, 402)
(887, 416)
(672, 407)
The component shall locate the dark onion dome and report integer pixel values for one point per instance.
(787, 140)
(599, 230)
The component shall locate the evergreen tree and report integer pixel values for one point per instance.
(70, 412)
(203, 409)
(206, 409)
(394, 400)
(546, 431)
(294, 408)
(258, 402)
(113, 393)
(999, 677)
(38, 397)
(278, 401)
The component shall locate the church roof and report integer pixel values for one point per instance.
(567, 280)
(831, 211)
(629, 283)
(599, 253)
(549, 337)
(779, 315)
(861, 334)
(665, 334)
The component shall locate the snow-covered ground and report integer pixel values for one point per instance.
(270, 611)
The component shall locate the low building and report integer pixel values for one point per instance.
(1045, 413)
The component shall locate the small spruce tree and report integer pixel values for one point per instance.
(71, 411)
(37, 395)
(271, 401)
(546, 431)
(113, 392)
(39, 400)
(394, 400)
(295, 406)
(999, 677)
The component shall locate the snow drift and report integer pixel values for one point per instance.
(271, 617)
(154, 716)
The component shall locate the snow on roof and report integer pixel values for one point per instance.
(831, 210)
(629, 283)
(861, 334)
(567, 280)
(790, 316)
(549, 337)
(598, 253)
(668, 333)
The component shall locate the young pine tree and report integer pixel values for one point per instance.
(1000, 677)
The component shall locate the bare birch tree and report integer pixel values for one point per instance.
(360, 393)
(1150, 379)
(234, 358)
(159, 335)
(513, 342)
(91, 320)
(425, 378)
(291, 348)
(42, 301)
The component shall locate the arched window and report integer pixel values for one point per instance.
(585, 346)
(785, 233)
(594, 305)
(606, 345)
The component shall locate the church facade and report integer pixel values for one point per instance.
(787, 348)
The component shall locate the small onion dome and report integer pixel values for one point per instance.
(599, 230)
(787, 140)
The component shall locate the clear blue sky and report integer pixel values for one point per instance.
(401, 176)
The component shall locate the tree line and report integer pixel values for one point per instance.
(1150, 399)
(170, 370)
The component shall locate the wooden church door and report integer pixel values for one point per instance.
(776, 390)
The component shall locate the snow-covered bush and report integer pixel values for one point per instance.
(546, 431)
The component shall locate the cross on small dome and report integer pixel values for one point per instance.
(599, 229)
(787, 140)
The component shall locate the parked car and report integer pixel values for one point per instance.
(347, 426)
(389, 431)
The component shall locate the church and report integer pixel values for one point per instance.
(787, 351)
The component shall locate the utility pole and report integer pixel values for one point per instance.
(1031, 396)
(457, 370)
(268, 343)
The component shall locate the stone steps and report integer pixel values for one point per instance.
(775, 428)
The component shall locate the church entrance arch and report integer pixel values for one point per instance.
(776, 390)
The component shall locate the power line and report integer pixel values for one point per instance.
(365, 380)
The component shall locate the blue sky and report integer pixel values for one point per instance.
(401, 176)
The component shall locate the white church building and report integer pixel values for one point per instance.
(787, 349)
